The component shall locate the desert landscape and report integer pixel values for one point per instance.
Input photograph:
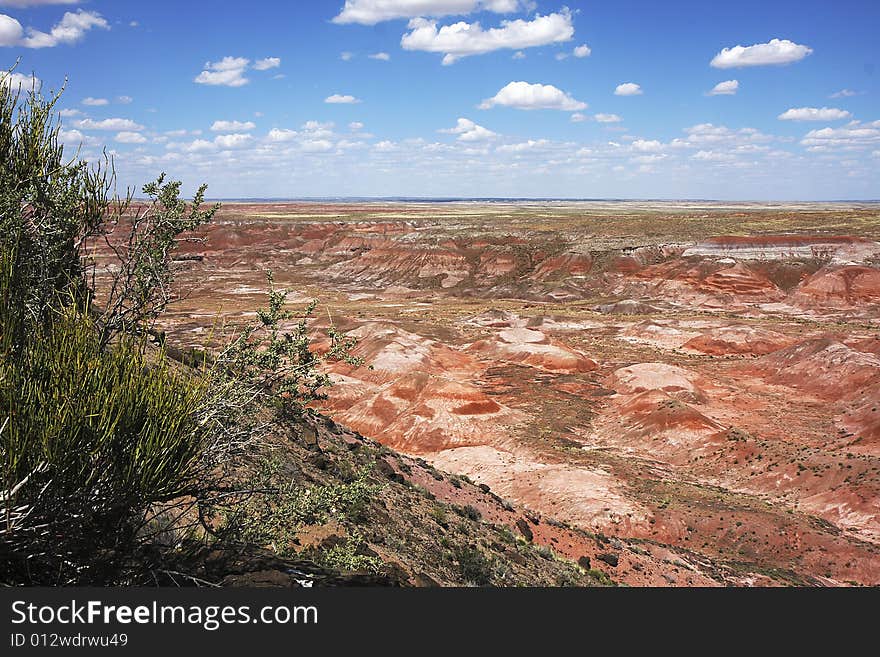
(698, 383)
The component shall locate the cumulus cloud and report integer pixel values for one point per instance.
(69, 112)
(467, 130)
(381, 56)
(646, 145)
(774, 52)
(71, 136)
(339, 99)
(267, 63)
(232, 126)
(108, 124)
(526, 96)
(233, 141)
(582, 51)
(814, 114)
(346, 56)
(628, 89)
(95, 102)
(708, 136)
(124, 100)
(18, 81)
(726, 88)
(70, 29)
(316, 145)
(712, 156)
(228, 72)
(608, 118)
(463, 39)
(530, 145)
(281, 135)
(11, 31)
(128, 137)
(370, 12)
(853, 136)
(354, 126)
(577, 117)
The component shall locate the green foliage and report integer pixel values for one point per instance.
(48, 204)
(274, 515)
(94, 432)
(473, 565)
(278, 359)
(346, 556)
(143, 241)
(92, 438)
(101, 437)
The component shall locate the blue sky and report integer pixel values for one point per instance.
(467, 97)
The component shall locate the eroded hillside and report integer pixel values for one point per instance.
(701, 379)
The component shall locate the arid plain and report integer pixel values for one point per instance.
(699, 382)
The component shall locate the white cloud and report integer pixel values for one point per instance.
(25, 83)
(316, 127)
(530, 145)
(582, 51)
(267, 63)
(519, 54)
(71, 136)
(726, 88)
(853, 136)
(776, 51)
(707, 135)
(844, 93)
(814, 114)
(712, 156)
(561, 55)
(232, 126)
(233, 141)
(11, 31)
(355, 126)
(197, 146)
(71, 28)
(526, 96)
(370, 12)
(628, 89)
(463, 39)
(95, 102)
(338, 99)
(467, 130)
(346, 56)
(608, 118)
(577, 117)
(127, 137)
(228, 72)
(316, 145)
(280, 135)
(69, 112)
(385, 146)
(108, 124)
(381, 56)
(647, 145)
(124, 100)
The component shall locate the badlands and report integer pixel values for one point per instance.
(698, 379)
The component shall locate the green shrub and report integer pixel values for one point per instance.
(92, 437)
(473, 565)
(274, 515)
(346, 556)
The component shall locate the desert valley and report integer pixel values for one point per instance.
(697, 384)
